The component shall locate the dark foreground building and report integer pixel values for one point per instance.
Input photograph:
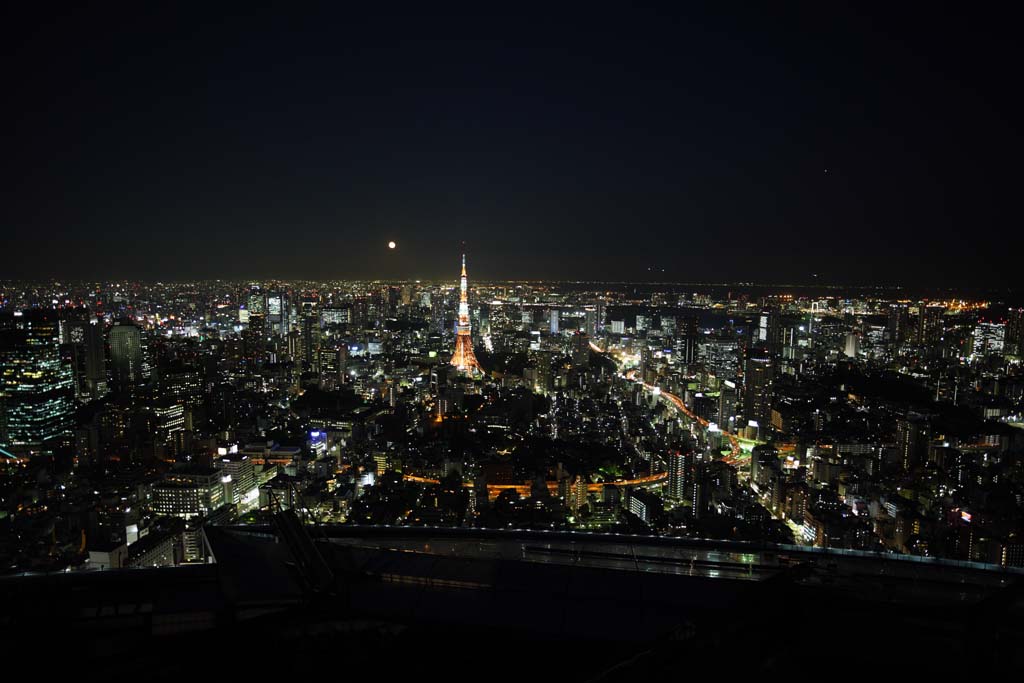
(489, 605)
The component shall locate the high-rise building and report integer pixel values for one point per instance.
(184, 384)
(687, 342)
(310, 331)
(726, 403)
(580, 349)
(335, 315)
(239, 478)
(679, 463)
(911, 442)
(852, 347)
(719, 354)
(758, 375)
(899, 323)
(256, 338)
(483, 313)
(553, 319)
(125, 356)
(84, 340)
(169, 420)
(645, 505)
(989, 338)
(332, 367)
(360, 315)
(36, 386)
(437, 313)
(464, 358)
(930, 325)
(1014, 337)
(646, 369)
(257, 301)
(577, 493)
(767, 333)
(277, 314)
(389, 299)
(699, 485)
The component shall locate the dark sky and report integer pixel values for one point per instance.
(167, 143)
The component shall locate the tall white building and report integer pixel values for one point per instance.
(988, 338)
(852, 345)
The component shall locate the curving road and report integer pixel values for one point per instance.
(524, 489)
(734, 457)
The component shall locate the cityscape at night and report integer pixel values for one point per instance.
(568, 354)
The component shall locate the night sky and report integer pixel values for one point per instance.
(767, 146)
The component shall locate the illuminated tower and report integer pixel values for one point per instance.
(464, 358)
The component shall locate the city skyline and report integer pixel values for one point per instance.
(470, 441)
(639, 342)
(996, 296)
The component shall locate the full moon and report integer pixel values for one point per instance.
(392, 245)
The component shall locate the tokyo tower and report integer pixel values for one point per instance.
(464, 358)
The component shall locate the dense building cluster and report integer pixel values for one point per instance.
(132, 414)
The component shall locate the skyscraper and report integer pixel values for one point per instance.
(437, 313)
(899, 323)
(464, 358)
(679, 463)
(698, 485)
(332, 364)
(1015, 331)
(277, 313)
(36, 386)
(988, 338)
(852, 345)
(767, 333)
(929, 325)
(911, 441)
(577, 493)
(257, 300)
(310, 331)
(726, 404)
(483, 313)
(757, 386)
(580, 349)
(590, 326)
(84, 339)
(125, 355)
(256, 338)
(688, 340)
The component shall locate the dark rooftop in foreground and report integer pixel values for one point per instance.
(614, 603)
